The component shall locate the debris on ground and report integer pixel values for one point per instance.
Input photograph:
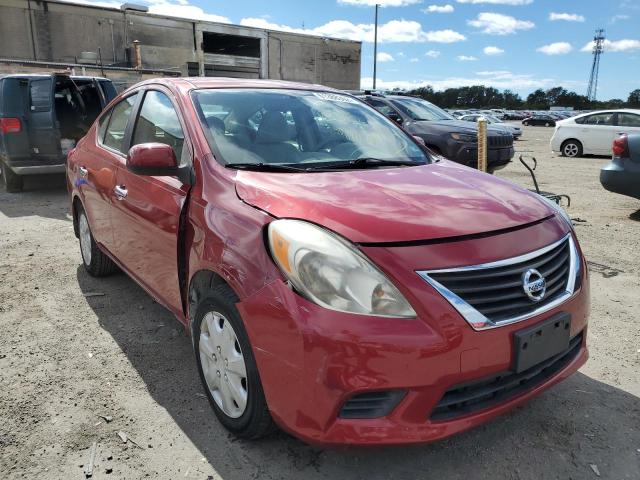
(106, 418)
(125, 438)
(93, 294)
(88, 471)
(595, 469)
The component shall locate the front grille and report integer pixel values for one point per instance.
(498, 293)
(371, 404)
(500, 141)
(481, 394)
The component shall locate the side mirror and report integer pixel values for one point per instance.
(420, 140)
(157, 159)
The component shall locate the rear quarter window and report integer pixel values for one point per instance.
(40, 95)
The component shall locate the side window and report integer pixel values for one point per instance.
(382, 107)
(40, 93)
(598, 119)
(102, 125)
(114, 135)
(158, 123)
(628, 120)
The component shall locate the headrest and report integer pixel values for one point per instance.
(214, 123)
(273, 129)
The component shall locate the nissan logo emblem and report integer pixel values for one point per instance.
(534, 284)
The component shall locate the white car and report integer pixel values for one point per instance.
(593, 133)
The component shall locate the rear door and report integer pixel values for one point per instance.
(146, 218)
(41, 124)
(14, 98)
(628, 122)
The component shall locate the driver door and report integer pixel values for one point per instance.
(146, 215)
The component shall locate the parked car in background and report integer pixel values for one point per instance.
(336, 278)
(622, 175)
(443, 133)
(515, 131)
(540, 120)
(41, 119)
(592, 133)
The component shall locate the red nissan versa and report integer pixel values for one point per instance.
(335, 278)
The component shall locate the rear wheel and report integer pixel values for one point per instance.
(571, 148)
(95, 262)
(526, 124)
(547, 124)
(12, 182)
(227, 367)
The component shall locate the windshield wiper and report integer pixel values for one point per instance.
(266, 167)
(365, 162)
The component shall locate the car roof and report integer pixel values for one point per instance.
(44, 75)
(228, 82)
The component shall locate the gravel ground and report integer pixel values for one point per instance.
(67, 357)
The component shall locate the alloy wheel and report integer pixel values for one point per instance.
(223, 364)
(85, 238)
(571, 150)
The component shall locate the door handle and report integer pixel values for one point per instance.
(120, 191)
(83, 172)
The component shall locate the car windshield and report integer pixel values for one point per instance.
(302, 130)
(418, 109)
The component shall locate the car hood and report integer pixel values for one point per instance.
(459, 126)
(439, 200)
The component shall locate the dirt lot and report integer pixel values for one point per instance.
(67, 357)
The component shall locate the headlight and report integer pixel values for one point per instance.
(465, 137)
(559, 210)
(331, 272)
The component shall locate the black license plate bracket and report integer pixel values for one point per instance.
(540, 342)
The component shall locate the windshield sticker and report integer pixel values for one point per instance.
(335, 97)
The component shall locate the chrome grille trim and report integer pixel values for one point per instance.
(477, 320)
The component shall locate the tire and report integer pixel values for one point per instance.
(526, 124)
(12, 182)
(547, 124)
(95, 261)
(571, 149)
(233, 388)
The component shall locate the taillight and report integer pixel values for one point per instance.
(621, 146)
(10, 125)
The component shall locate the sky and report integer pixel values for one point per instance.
(521, 45)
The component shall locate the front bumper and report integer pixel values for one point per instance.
(312, 360)
(467, 154)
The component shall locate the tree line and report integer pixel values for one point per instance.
(480, 96)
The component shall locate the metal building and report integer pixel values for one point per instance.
(129, 44)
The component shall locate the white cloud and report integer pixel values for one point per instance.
(490, 50)
(392, 31)
(616, 18)
(382, 3)
(498, 2)
(466, 58)
(615, 46)
(498, 24)
(444, 36)
(414, 60)
(439, 9)
(184, 10)
(500, 79)
(432, 54)
(558, 48)
(385, 57)
(569, 17)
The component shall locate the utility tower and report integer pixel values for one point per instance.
(598, 49)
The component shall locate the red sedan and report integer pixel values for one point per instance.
(336, 279)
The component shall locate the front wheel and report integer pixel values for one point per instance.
(227, 367)
(526, 124)
(95, 262)
(571, 148)
(547, 124)
(12, 182)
